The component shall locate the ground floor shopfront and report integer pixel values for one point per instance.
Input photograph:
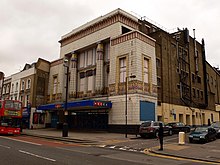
(101, 114)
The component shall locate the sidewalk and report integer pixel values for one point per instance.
(93, 138)
(204, 152)
(198, 152)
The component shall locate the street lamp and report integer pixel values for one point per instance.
(65, 124)
(126, 104)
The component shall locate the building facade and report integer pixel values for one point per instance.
(103, 56)
(117, 71)
(30, 87)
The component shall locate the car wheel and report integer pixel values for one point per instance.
(170, 132)
(143, 135)
(206, 139)
(190, 140)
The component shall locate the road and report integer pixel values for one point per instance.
(22, 150)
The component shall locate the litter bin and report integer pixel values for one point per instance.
(65, 130)
(181, 137)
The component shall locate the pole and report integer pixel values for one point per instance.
(126, 107)
(65, 124)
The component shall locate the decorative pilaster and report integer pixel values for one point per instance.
(73, 76)
(99, 69)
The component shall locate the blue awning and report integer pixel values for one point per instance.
(75, 105)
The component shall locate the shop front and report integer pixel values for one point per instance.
(81, 115)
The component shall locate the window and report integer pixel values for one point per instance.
(201, 93)
(193, 77)
(122, 63)
(158, 63)
(16, 87)
(146, 70)
(82, 84)
(197, 93)
(81, 59)
(4, 90)
(8, 89)
(89, 56)
(12, 88)
(28, 84)
(158, 82)
(22, 85)
(27, 100)
(107, 51)
(199, 79)
(194, 92)
(55, 84)
(21, 98)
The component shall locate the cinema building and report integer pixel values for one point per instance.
(118, 71)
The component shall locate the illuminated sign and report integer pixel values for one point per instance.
(12, 113)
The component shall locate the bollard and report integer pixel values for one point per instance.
(181, 138)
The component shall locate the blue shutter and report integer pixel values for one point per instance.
(147, 111)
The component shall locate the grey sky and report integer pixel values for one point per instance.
(30, 29)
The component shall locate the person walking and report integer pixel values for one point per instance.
(160, 136)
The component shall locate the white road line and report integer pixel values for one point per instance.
(73, 150)
(23, 141)
(38, 156)
(5, 146)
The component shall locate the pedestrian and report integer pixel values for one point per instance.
(160, 136)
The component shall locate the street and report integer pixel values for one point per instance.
(24, 150)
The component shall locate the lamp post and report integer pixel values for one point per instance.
(65, 124)
(126, 104)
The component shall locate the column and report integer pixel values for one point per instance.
(73, 76)
(99, 68)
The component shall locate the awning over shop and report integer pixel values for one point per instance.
(78, 105)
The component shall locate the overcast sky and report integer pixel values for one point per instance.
(31, 29)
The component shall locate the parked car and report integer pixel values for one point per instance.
(151, 128)
(179, 127)
(202, 134)
(216, 126)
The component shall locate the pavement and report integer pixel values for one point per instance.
(209, 152)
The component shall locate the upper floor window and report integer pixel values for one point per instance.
(22, 85)
(146, 70)
(12, 88)
(122, 65)
(55, 84)
(107, 51)
(8, 89)
(28, 84)
(16, 87)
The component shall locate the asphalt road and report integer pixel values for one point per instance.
(21, 150)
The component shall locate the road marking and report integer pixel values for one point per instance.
(147, 152)
(5, 146)
(23, 141)
(38, 156)
(73, 150)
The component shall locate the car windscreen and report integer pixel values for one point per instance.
(201, 129)
(216, 125)
(146, 124)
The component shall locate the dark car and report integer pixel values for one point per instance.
(179, 127)
(151, 128)
(202, 134)
(216, 126)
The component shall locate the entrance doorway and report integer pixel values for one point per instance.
(89, 121)
(187, 119)
(181, 118)
(193, 120)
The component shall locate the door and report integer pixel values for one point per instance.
(54, 120)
